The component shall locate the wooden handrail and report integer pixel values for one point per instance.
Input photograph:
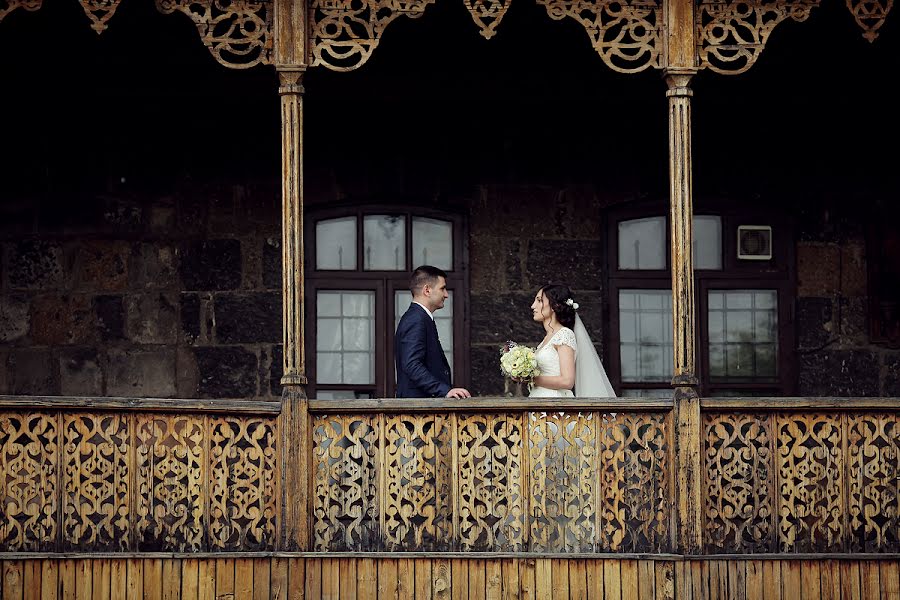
(488, 404)
(797, 403)
(252, 407)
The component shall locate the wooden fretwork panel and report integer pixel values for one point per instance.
(491, 507)
(810, 465)
(345, 503)
(872, 479)
(28, 489)
(739, 480)
(634, 480)
(418, 510)
(172, 464)
(243, 484)
(564, 482)
(96, 482)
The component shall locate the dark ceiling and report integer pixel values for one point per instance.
(814, 118)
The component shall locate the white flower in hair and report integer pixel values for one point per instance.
(572, 303)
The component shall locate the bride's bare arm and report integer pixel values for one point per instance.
(566, 378)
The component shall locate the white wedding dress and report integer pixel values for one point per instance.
(590, 376)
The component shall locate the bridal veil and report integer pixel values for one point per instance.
(590, 376)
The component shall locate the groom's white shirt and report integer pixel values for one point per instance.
(428, 312)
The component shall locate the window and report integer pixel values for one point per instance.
(744, 329)
(357, 290)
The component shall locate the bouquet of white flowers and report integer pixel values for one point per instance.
(518, 363)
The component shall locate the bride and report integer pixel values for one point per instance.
(566, 357)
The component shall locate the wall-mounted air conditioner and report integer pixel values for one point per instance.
(754, 242)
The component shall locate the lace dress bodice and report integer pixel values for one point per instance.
(548, 361)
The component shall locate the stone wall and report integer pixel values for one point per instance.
(522, 237)
(167, 297)
(834, 354)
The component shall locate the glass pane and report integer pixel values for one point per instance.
(345, 343)
(357, 304)
(328, 334)
(443, 320)
(648, 393)
(645, 335)
(707, 242)
(336, 244)
(432, 243)
(358, 368)
(743, 334)
(328, 367)
(341, 395)
(384, 243)
(642, 243)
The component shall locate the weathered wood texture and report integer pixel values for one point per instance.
(127, 481)
(439, 579)
(807, 482)
(513, 481)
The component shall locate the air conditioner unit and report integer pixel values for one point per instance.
(754, 242)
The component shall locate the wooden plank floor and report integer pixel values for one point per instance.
(439, 579)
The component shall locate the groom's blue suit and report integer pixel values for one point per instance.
(422, 369)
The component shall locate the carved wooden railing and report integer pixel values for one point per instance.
(137, 475)
(500, 475)
(794, 475)
(782, 475)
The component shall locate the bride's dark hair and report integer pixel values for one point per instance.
(557, 294)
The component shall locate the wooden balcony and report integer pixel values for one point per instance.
(488, 497)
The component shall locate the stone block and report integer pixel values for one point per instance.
(251, 271)
(485, 371)
(32, 372)
(141, 373)
(248, 318)
(276, 370)
(15, 318)
(577, 263)
(59, 320)
(854, 321)
(814, 322)
(153, 266)
(817, 269)
(5, 378)
(226, 372)
(188, 378)
(161, 216)
(109, 312)
(891, 383)
(102, 265)
(849, 373)
(523, 212)
(123, 215)
(499, 317)
(211, 265)
(854, 278)
(151, 319)
(495, 265)
(80, 373)
(190, 317)
(35, 265)
(271, 265)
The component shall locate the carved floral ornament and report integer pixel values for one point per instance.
(627, 34)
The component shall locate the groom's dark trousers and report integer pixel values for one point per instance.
(422, 369)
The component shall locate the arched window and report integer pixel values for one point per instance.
(357, 288)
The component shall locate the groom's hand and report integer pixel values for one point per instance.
(459, 393)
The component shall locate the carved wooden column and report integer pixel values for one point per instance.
(294, 423)
(680, 68)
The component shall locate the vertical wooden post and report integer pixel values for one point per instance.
(680, 52)
(291, 92)
(294, 425)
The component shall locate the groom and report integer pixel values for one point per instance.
(422, 369)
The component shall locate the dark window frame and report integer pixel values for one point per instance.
(777, 273)
(386, 282)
